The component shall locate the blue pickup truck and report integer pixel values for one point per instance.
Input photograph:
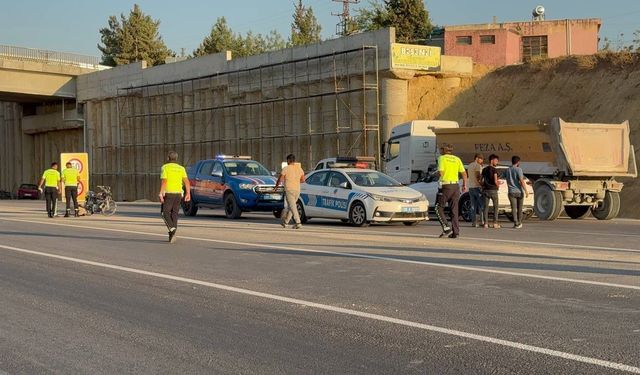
(236, 183)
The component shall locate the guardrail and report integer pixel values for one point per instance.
(54, 57)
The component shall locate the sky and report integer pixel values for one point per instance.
(72, 25)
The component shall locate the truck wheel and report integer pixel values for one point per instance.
(609, 208)
(358, 215)
(465, 208)
(231, 208)
(189, 208)
(577, 212)
(548, 203)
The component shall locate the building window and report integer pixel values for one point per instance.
(463, 40)
(534, 47)
(487, 39)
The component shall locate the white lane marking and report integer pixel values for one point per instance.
(341, 310)
(345, 254)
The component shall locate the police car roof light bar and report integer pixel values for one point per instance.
(241, 157)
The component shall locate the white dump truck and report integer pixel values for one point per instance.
(411, 149)
(573, 165)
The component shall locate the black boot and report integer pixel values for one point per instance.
(77, 213)
(66, 214)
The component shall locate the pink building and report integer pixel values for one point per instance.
(509, 43)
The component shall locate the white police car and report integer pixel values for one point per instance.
(359, 196)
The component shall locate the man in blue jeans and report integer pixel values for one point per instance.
(474, 170)
(517, 190)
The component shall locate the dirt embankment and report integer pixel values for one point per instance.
(599, 88)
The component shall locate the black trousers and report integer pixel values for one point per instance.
(448, 193)
(71, 194)
(170, 209)
(51, 196)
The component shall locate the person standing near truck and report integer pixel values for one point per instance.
(173, 176)
(474, 170)
(293, 176)
(70, 177)
(450, 168)
(490, 184)
(52, 187)
(517, 190)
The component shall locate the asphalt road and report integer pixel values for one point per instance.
(105, 295)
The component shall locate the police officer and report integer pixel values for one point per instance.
(71, 179)
(173, 175)
(450, 168)
(52, 187)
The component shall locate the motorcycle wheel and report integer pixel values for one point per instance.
(108, 207)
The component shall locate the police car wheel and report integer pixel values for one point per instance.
(189, 208)
(358, 215)
(231, 208)
(410, 223)
(301, 213)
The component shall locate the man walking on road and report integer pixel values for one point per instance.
(173, 176)
(292, 175)
(450, 168)
(517, 190)
(70, 177)
(475, 190)
(490, 190)
(52, 187)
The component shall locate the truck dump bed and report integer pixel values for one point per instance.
(574, 149)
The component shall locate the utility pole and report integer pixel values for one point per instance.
(343, 28)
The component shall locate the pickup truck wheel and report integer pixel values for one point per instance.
(609, 208)
(548, 203)
(189, 208)
(231, 208)
(577, 212)
(358, 215)
(465, 208)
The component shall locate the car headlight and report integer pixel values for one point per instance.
(380, 198)
(246, 186)
(422, 198)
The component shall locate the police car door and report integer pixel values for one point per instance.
(217, 183)
(311, 191)
(336, 203)
(203, 189)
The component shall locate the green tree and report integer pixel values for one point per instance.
(409, 17)
(132, 38)
(305, 28)
(221, 38)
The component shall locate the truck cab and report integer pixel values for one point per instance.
(411, 149)
(236, 183)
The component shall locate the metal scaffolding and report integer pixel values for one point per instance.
(310, 106)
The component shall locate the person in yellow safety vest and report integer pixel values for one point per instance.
(173, 175)
(52, 187)
(71, 179)
(450, 168)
